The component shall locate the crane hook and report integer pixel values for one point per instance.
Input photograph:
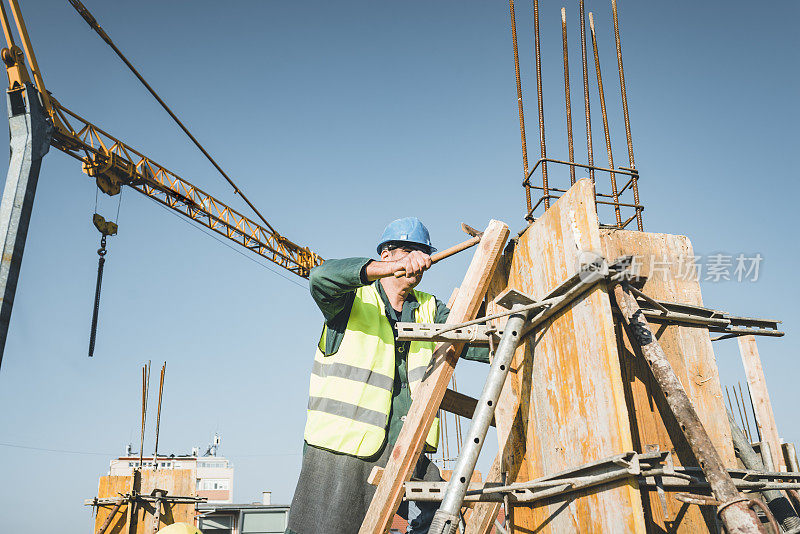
(106, 228)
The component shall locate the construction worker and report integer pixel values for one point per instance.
(363, 381)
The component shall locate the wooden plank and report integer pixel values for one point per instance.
(139, 519)
(459, 404)
(667, 263)
(428, 396)
(178, 482)
(765, 419)
(111, 487)
(571, 396)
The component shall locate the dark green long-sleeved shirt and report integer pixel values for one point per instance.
(333, 286)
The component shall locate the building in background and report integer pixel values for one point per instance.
(213, 474)
(256, 518)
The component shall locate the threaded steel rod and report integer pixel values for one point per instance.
(586, 105)
(629, 139)
(519, 106)
(567, 99)
(542, 144)
(606, 133)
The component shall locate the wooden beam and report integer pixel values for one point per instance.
(459, 404)
(765, 419)
(429, 394)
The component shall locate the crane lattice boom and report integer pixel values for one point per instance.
(114, 164)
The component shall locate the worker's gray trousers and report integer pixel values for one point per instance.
(333, 496)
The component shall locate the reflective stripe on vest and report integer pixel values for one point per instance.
(350, 394)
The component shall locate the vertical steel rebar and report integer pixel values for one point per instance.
(145, 390)
(629, 139)
(158, 415)
(520, 108)
(459, 439)
(144, 404)
(753, 408)
(586, 106)
(542, 144)
(741, 415)
(728, 393)
(744, 407)
(567, 96)
(606, 132)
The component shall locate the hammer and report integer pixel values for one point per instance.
(455, 249)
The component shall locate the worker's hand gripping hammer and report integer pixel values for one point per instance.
(455, 249)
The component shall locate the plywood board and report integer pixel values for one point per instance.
(572, 404)
(667, 262)
(177, 482)
(111, 487)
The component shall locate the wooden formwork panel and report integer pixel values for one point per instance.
(111, 487)
(667, 262)
(572, 407)
(177, 482)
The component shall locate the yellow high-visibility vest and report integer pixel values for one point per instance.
(350, 395)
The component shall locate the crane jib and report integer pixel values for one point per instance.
(114, 164)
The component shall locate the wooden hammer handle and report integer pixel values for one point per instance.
(455, 249)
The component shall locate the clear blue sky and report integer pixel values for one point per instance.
(336, 118)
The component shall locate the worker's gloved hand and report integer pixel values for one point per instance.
(414, 263)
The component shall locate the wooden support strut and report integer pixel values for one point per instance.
(734, 511)
(429, 394)
(765, 419)
(111, 515)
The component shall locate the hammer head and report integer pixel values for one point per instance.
(470, 230)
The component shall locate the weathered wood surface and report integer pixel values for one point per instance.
(765, 419)
(110, 487)
(177, 482)
(667, 262)
(460, 404)
(428, 395)
(572, 406)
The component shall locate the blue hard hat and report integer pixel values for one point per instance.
(407, 230)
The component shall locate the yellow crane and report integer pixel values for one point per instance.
(113, 164)
(36, 116)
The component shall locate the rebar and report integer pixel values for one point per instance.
(606, 132)
(145, 390)
(539, 96)
(158, 416)
(625, 114)
(753, 409)
(744, 407)
(741, 414)
(567, 95)
(519, 103)
(586, 105)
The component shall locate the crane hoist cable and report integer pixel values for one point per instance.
(92, 22)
